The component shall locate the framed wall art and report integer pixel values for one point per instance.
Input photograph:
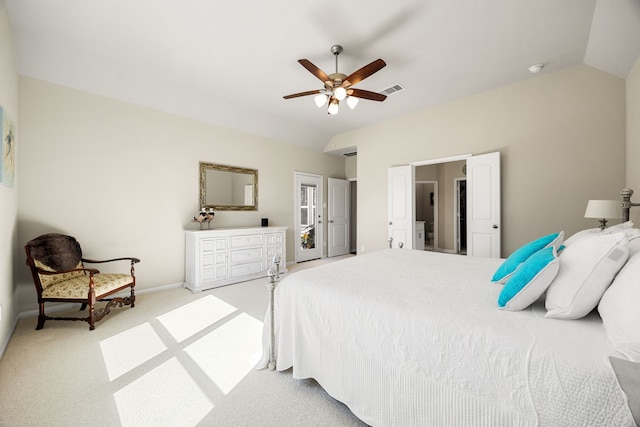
(8, 144)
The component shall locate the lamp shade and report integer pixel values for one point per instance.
(603, 209)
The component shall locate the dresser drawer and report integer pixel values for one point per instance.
(213, 245)
(246, 269)
(246, 241)
(275, 239)
(246, 255)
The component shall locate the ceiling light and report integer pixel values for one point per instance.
(536, 68)
(352, 101)
(340, 93)
(320, 100)
(333, 106)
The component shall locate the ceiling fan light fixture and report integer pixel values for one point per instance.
(320, 100)
(333, 106)
(340, 93)
(352, 101)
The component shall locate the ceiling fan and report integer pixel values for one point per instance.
(338, 86)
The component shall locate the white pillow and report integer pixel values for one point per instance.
(633, 236)
(587, 268)
(596, 231)
(620, 310)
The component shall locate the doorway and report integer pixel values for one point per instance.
(460, 230)
(308, 216)
(427, 211)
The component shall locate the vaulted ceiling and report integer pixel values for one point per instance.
(231, 63)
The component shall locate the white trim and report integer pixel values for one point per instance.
(440, 160)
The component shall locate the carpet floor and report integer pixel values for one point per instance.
(176, 359)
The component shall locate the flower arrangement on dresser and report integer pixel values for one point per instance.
(205, 216)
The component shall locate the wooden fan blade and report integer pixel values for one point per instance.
(315, 70)
(366, 94)
(299, 94)
(366, 71)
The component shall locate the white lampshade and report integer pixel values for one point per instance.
(333, 106)
(340, 93)
(352, 101)
(320, 100)
(603, 210)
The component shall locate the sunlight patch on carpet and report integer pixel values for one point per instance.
(165, 396)
(191, 318)
(227, 354)
(129, 349)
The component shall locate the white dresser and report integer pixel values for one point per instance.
(223, 256)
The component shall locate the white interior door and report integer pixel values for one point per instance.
(308, 216)
(401, 210)
(483, 205)
(338, 217)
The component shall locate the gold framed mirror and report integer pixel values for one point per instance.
(228, 188)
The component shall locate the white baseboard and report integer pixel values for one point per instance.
(5, 343)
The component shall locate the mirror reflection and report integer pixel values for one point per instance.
(228, 187)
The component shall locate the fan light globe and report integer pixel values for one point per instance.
(333, 107)
(340, 93)
(352, 102)
(320, 100)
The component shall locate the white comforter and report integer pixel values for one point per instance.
(411, 338)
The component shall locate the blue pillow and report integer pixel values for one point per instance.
(530, 280)
(521, 254)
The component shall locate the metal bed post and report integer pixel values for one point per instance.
(274, 278)
(626, 194)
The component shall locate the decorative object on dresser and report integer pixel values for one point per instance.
(205, 216)
(60, 275)
(230, 255)
(603, 210)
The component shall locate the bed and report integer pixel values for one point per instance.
(407, 338)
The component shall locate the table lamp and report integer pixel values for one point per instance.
(603, 210)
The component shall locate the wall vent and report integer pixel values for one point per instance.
(392, 89)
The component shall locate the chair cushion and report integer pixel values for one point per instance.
(78, 287)
(49, 279)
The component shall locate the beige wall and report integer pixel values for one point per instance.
(562, 142)
(633, 138)
(8, 196)
(123, 179)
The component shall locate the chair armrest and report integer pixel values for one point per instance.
(52, 273)
(93, 261)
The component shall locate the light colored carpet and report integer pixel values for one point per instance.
(176, 359)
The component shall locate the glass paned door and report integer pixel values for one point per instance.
(308, 216)
(308, 202)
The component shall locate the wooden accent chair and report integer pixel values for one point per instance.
(60, 275)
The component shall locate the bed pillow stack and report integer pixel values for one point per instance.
(587, 268)
(595, 269)
(528, 272)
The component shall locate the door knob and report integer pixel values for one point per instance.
(494, 226)
(390, 223)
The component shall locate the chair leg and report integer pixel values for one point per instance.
(83, 306)
(92, 319)
(41, 317)
(133, 298)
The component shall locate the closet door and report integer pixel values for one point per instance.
(483, 205)
(401, 211)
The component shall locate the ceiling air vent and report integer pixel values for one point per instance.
(352, 153)
(392, 89)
